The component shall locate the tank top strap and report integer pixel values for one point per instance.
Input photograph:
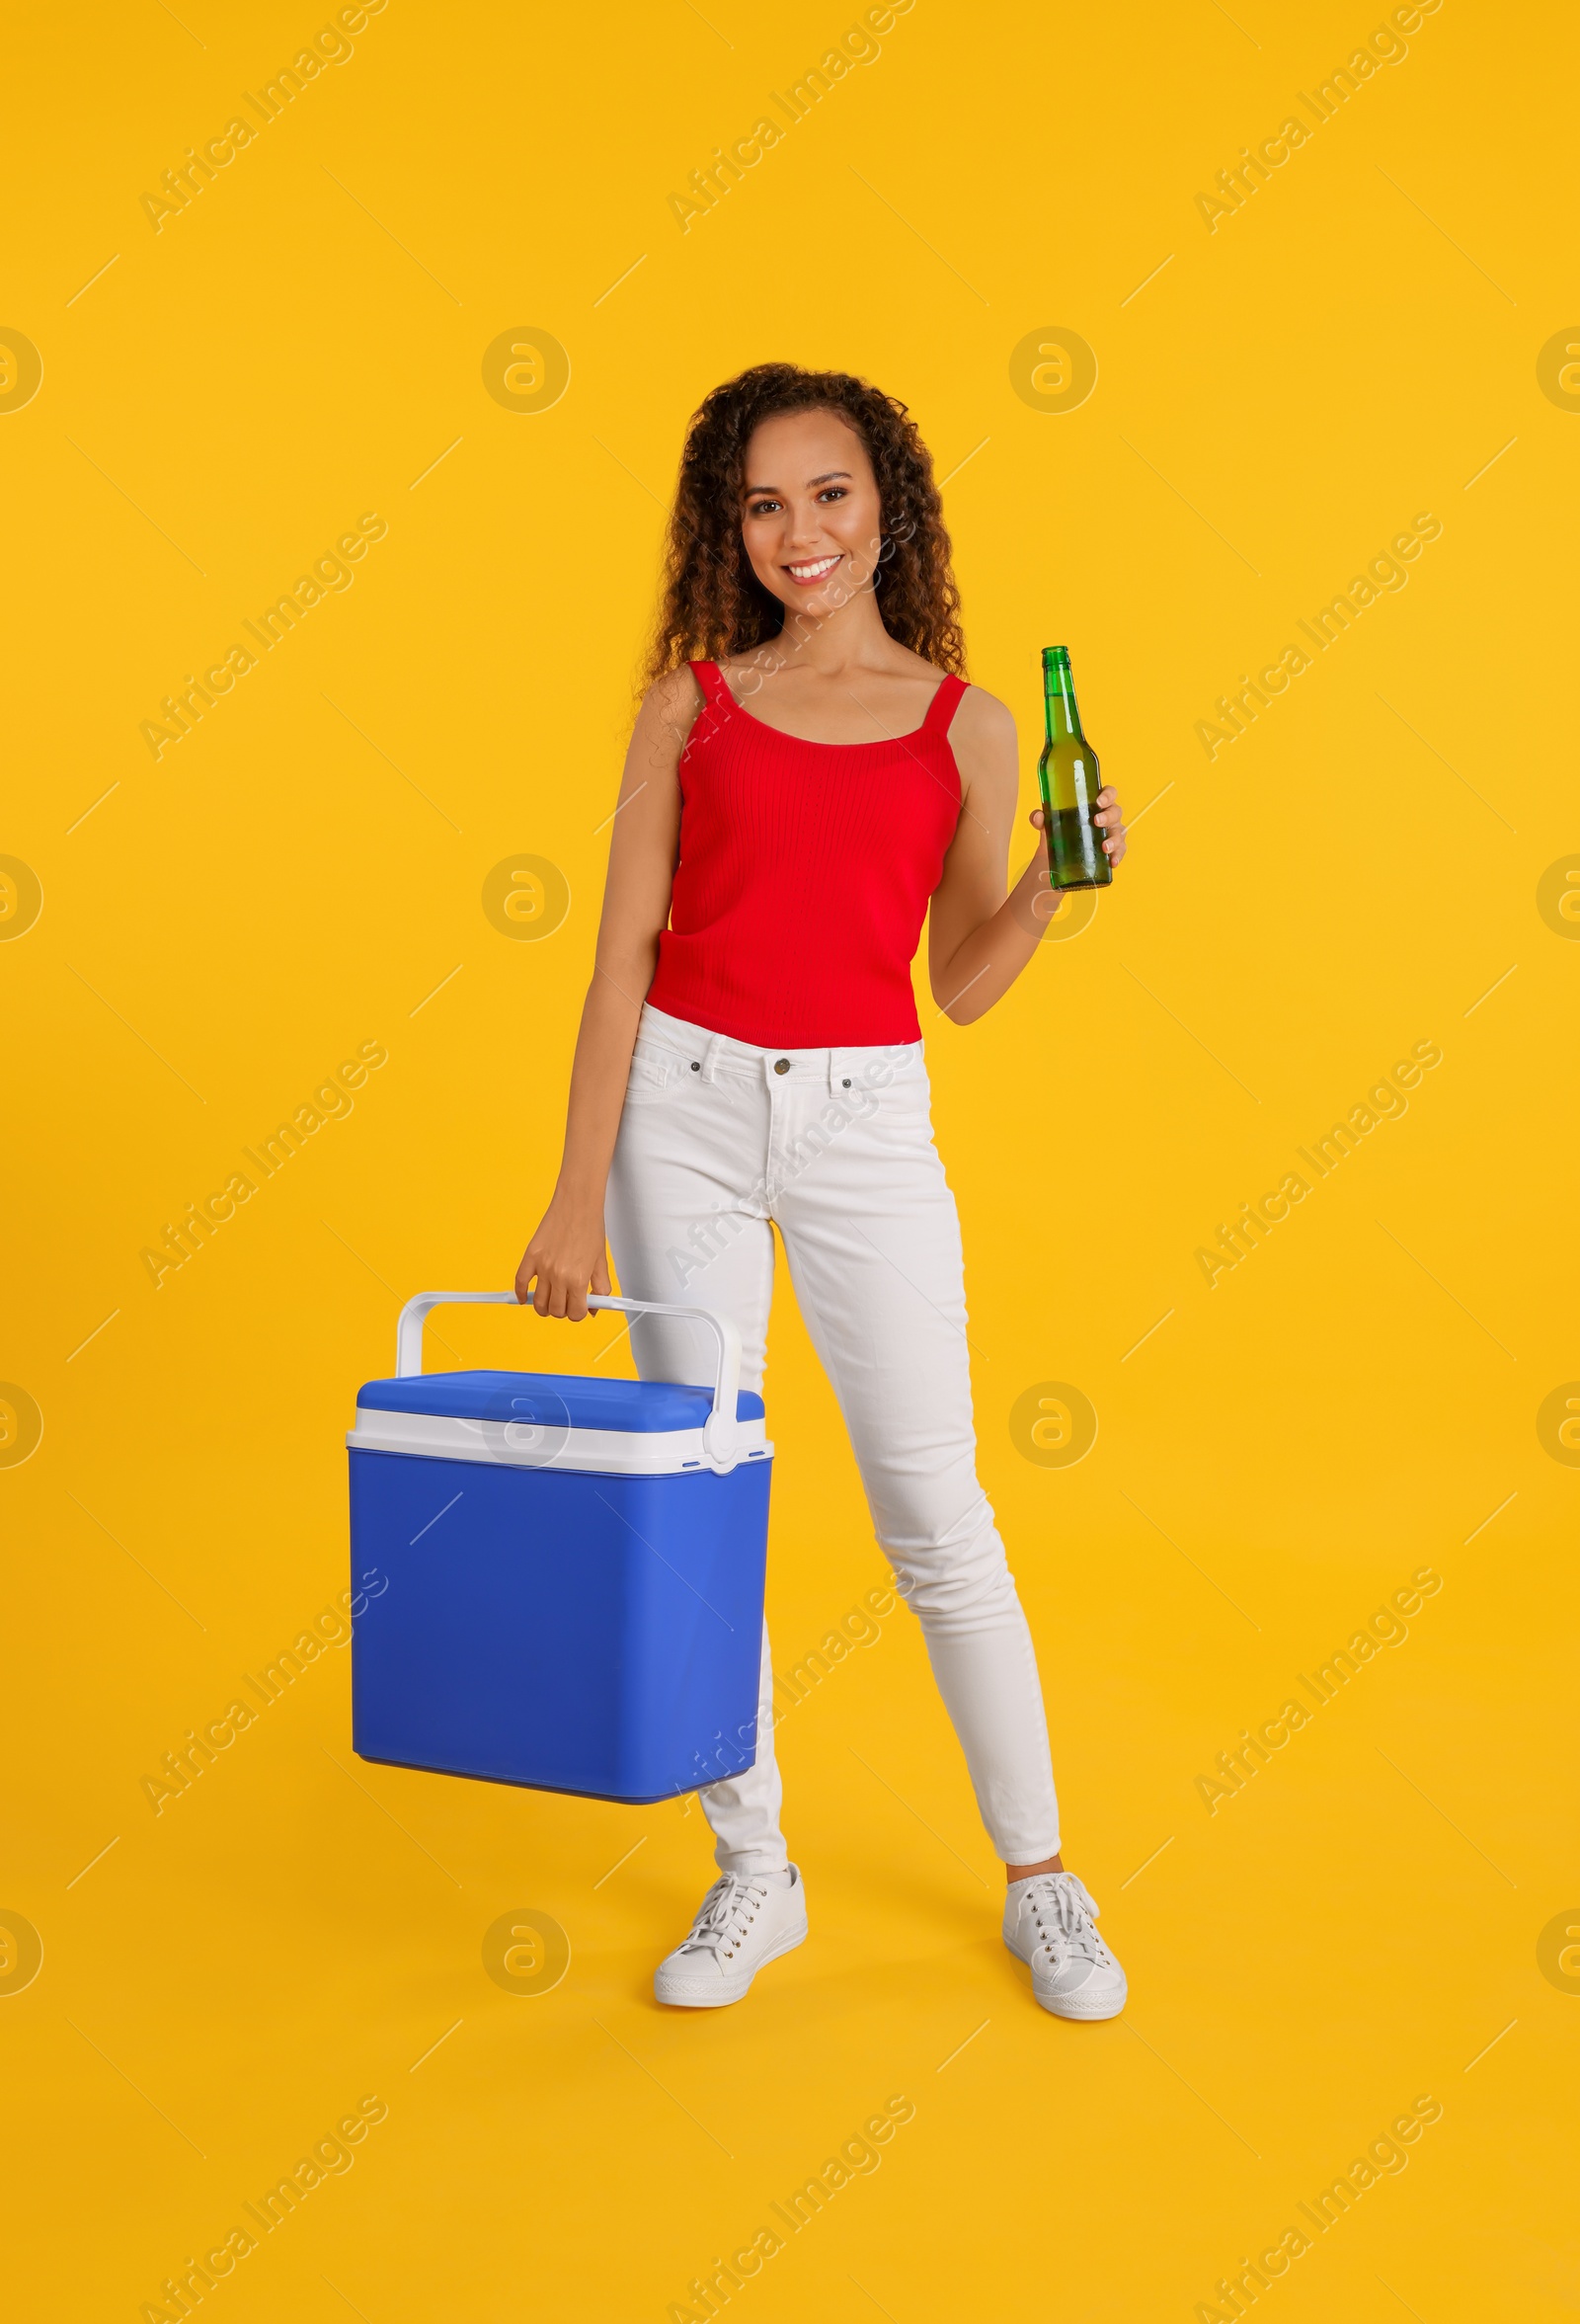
(941, 710)
(715, 686)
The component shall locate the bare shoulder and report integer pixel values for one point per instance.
(674, 696)
(983, 731)
(669, 708)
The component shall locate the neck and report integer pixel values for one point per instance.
(830, 643)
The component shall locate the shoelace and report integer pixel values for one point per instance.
(1064, 1913)
(727, 1911)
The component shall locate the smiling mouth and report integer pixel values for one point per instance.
(808, 574)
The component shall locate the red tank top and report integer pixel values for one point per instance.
(805, 874)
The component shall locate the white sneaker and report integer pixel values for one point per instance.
(743, 1925)
(1048, 1924)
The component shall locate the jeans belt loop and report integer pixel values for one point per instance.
(711, 1058)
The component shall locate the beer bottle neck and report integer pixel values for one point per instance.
(1059, 702)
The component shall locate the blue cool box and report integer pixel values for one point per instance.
(575, 1574)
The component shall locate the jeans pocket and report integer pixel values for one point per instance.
(654, 1069)
(906, 1102)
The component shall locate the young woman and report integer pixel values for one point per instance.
(809, 777)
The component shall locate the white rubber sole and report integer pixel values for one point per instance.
(715, 1991)
(1080, 2007)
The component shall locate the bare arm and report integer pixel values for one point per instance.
(978, 938)
(566, 1257)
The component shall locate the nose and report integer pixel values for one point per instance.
(806, 528)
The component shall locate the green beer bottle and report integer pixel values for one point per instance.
(1071, 782)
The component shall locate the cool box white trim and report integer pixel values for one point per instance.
(517, 1444)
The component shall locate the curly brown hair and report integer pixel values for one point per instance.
(713, 603)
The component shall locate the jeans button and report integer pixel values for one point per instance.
(781, 1065)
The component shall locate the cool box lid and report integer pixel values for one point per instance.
(550, 1421)
(635, 1407)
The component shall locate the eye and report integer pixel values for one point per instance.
(834, 492)
(762, 508)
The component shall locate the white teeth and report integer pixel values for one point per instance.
(811, 572)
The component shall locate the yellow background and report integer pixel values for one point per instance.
(302, 345)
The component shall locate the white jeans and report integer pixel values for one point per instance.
(836, 1147)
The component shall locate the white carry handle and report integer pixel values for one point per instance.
(719, 1434)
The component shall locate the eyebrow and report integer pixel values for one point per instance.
(835, 476)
